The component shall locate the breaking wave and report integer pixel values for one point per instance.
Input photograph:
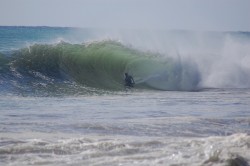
(97, 65)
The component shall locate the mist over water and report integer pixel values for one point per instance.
(222, 58)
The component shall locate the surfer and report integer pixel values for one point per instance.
(129, 81)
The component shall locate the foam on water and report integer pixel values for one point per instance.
(128, 128)
(106, 150)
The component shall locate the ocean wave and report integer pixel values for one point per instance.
(100, 65)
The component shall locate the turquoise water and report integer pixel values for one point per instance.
(63, 101)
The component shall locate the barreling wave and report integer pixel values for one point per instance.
(98, 65)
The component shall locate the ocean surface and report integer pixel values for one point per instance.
(63, 100)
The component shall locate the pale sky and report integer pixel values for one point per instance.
(218, 15)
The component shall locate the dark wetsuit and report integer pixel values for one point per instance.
(129, 81)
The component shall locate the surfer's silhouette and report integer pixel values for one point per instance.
(129, 81)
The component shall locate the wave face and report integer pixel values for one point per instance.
(99, 65)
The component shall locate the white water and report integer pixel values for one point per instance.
(126, 128)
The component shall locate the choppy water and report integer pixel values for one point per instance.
(50, 115)
(135, 128)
